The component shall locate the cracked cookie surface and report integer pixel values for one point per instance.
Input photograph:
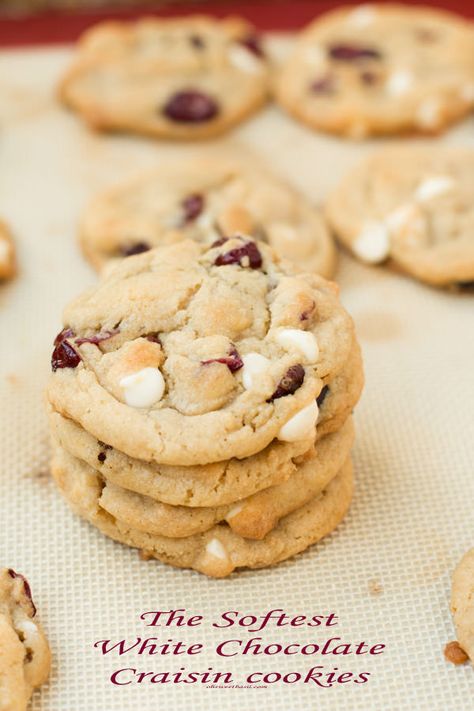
(204, 200)
(185, 340)
(187, 78)
(380, 69)
(24, 652)
(413, 205)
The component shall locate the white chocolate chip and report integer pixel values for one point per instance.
(216, 549)
(429, 113)
(255, 365)
(235, 510)
(300, 426)
(399, 82)
(244, 60)
(143, 388)
(362, 16)
(433, 187)
(303, 341)
(372, 245)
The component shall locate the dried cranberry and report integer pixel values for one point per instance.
(352, 53)
(136, 248)
(97, 337)
(62, 335)
(153, 338)
(197, 41)
(291, 381)
(192, 206)
(102, 457)
(322, 395)
(64, 356)
(233, 361)
(324, 85)
(26, 587)
(254, 44)
(249, 252)
(219, 242)
(191, 106)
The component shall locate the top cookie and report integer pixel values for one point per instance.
(190, 354)
(205, 199)
(415, 205)
(380, 69)
(188, 78)
(462, 603)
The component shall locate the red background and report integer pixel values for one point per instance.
(56, 27)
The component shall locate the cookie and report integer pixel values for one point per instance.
(219, 483)
(7, 253)
(218, 551)
(414, 206)
(25, 658)
(186, 78)
(251, 517)
(204, 200)
(462, 603)
(187, 340)
(380, 69)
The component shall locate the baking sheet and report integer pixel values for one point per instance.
(385, 572)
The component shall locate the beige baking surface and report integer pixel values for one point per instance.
(386, 572)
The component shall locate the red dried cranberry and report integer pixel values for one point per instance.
(322, 395)
(233, 361)
(97, 337)
(192, 207)
(26, 587)
(352, 53)
(240, 255)
(324, 85)
(254, 44)
(64, 356)
(136, 248)
(219, 242)
(153, 338)
(197, 41)
(62, 335)
(191, 106)
(291, 381)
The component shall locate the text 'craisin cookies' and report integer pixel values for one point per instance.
(203, 200)
(188, 78)
(200, 405)
(25, 658)
(380, 69)
(413, 205)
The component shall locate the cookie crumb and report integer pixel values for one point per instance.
(375, 587)
(145, 555)
(455, 654)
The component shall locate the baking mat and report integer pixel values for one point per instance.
(385, 572)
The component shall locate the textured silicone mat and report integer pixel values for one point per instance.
(385, 572)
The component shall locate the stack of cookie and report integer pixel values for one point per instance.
(200, 405)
